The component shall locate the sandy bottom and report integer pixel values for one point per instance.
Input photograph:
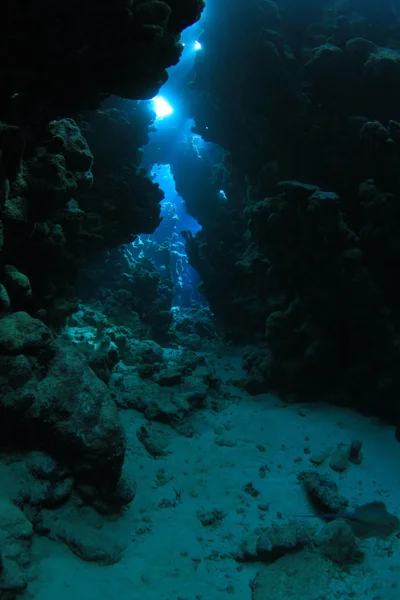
(171, 555)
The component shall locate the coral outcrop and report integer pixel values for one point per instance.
(51, 399)
(303, 256)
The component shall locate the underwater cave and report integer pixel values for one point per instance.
(199, 342)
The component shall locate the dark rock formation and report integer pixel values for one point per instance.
(50, 399)
(310, 96)
(51, 219)
(87, 54)
(122, 202)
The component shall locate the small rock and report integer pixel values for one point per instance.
(251, 490)
(274, 542)
(281, 539)
(91, 545)
(124, 493)
(210, 517)
(355, 455)
(337, 542)
(324, 491)
(168, 377)
(319, 458)
(339, 460)
(154, 441)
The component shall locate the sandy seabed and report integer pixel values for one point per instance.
(170, 555)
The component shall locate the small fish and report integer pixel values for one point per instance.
(369, 520)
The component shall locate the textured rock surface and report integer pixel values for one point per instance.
(303, 575)
(302, 256)
(53, 214)
(52, 398)
(15, 544)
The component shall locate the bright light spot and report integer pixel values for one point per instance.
(161, 107)
(197, 46)
(222, 195)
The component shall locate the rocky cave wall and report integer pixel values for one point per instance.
(71, 187)
(304, 96)
(59, 204)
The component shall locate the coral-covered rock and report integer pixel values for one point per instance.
(311, 264)
(15, 541)
(83, 538)
(50, 396)
(41, 218)
(20, 334)
(121, 191)
(18, 287)
(324, 492)
(338, 543)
